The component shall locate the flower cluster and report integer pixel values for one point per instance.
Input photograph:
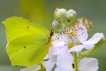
(70, 45)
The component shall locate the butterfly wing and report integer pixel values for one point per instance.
(27, 41)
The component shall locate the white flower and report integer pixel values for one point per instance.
(58, 55)
(78, 35)
(32, 68)
(88, 64)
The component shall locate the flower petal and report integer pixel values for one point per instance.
(61, 69)
(58, 50)
(58, 43)
(81, 32)
(88, 64)
(49, 55)
(94, 40)
(32, 68)
(65, 61)
(49, 64)
(76, 48)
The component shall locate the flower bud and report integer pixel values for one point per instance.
(71, 12)
(71, 15)
(62, 14)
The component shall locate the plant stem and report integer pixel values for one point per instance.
(75, 61)
(42, 67)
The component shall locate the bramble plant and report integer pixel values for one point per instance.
(61, 49)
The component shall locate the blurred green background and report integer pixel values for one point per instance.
(41, 11)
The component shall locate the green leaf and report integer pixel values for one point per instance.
(27, 41)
